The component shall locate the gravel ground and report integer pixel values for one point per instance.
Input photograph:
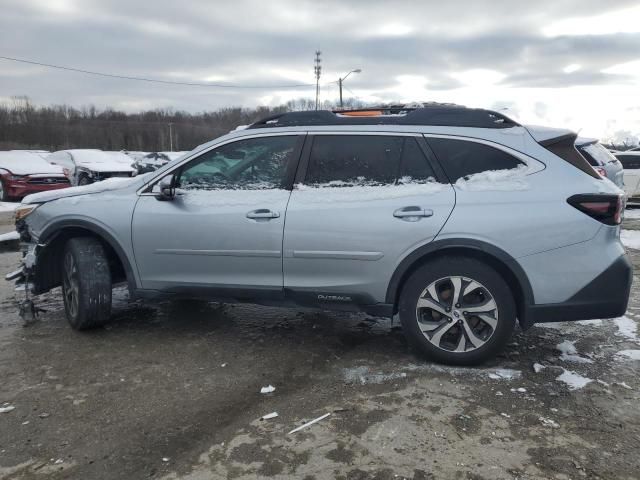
(172, 391)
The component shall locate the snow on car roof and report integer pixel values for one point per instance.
(23, 162)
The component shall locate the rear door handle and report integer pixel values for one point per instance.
(412, 212)
(264, 213)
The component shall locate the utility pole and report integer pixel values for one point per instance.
(170, 137)
(342, 79)
(317, 70)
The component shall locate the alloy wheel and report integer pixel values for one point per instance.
(71, 285)
(457, 314)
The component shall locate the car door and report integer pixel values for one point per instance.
(223, 230)
(361, 203)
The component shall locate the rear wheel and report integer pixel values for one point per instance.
(84, 180)
(86, 283)
(457, 310)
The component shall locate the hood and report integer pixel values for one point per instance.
(26, 163)
(108, 185)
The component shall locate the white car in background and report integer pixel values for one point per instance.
(631, 164)
(84, 166)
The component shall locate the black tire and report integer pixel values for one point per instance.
(440, 274)
(84, 180)
(4, 194)
(86, 285)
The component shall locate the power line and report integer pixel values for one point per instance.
(153, 80)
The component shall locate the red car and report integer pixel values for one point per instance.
(23, 172)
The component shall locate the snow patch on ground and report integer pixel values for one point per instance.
(573, 380)
(363, 375)
(512, 179)
(595, 323)
(627, 327)
(6, 237)
(504, 374)
(632, 213)
(569, 353)
(8, 206)
(630, 238)
(628, 355)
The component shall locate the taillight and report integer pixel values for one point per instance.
(606, 208)
(601, 171)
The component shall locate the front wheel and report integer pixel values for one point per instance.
(457, 310)
(4, 194)
(86, 283)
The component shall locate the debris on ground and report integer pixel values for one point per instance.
(7, 409)
(537, 367)
(268, 389)
(165, 459)
(269, 416)
(44, 415)
(547, 422)
(308, 424)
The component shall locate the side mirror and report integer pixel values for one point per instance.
(166, 189)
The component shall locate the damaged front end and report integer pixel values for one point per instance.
(25, 275)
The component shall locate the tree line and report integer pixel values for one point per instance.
(24, 125)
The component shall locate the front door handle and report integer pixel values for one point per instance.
(412, 213)
(262, 213)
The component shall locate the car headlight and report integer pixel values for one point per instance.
(23, 211)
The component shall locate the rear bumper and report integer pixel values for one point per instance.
(606, 296)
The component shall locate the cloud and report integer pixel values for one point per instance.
(486, 51)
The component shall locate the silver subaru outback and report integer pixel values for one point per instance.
(460, 221)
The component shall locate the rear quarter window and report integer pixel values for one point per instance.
(461, 158)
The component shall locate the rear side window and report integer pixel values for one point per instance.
(348, 160)
(629, 162)
(461, 158)
(343, 160)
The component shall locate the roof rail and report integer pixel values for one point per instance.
(435, 114)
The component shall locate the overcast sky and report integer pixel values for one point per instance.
(573, 63)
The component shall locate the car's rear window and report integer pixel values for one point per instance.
(598, 153)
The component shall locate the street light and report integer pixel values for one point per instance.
(340, 80)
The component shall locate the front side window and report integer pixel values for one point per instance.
(252, 164)
(461, 158)
(349, 160)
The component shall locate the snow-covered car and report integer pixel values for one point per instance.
(23, 172)
(601, 159)
(84, 166)
(631, 167)
(154, 160)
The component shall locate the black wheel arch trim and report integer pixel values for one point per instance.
(472, 245)
(54, 229)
